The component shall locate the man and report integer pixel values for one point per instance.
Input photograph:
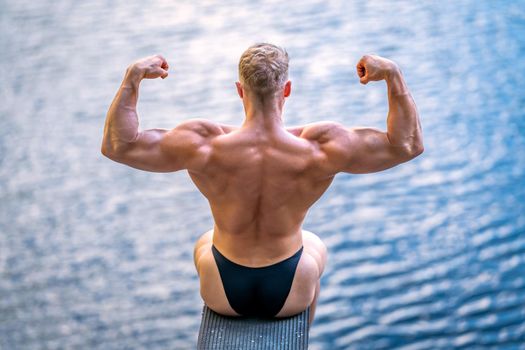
(261, 178)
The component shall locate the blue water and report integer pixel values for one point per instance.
(427, 255)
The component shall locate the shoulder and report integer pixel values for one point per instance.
(203, 127)
(321, 131)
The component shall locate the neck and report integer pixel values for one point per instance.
(265, 114)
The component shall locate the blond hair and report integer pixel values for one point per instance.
(263, 69)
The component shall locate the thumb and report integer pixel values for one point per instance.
(364, 79)
(163, 73)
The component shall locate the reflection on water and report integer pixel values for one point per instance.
(428, 255)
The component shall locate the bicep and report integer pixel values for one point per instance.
(361, 150)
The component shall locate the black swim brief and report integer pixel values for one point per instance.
(257, 291)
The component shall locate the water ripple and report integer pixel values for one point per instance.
(427, 255)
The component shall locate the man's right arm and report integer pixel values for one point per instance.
(367, 150)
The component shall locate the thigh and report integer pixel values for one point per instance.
(316, 248)
(211, 288)
(201, 246)
(307, 275)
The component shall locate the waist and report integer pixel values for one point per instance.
(253, 250)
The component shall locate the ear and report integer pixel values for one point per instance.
(239, 89)
(287, 88)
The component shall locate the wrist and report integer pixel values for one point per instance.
(395, 82)
(133, 77)
(392, 71)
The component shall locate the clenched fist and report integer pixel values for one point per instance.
(151, 67)
(374, 68)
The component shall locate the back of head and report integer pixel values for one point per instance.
(263, 69)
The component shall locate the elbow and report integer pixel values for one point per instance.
(418, 149)
(108, 152)
(415, 150)
(105, 149)
(114, 152)
(104, 152)
(410, 151)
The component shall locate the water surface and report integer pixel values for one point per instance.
(427, 255)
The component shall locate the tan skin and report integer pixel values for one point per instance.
(261, 178)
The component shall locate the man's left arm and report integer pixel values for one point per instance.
(157, 150)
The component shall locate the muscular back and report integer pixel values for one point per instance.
(261, 179)
(260, 186)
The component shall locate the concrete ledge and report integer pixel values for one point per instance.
(219, 332)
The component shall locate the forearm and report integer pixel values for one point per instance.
(403, 125)
(122, 121)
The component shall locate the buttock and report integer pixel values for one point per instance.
(257, 291)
